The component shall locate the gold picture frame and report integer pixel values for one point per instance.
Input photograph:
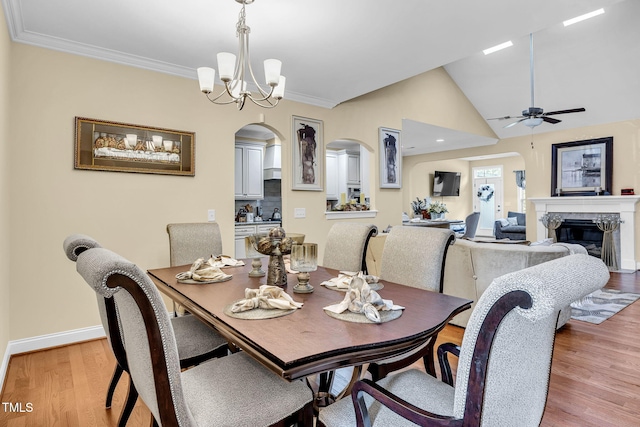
(121, 147)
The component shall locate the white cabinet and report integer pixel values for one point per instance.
(333, 190)
(246, 230)
(353, 169)
(249, 184)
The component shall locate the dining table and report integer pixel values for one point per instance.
(308, 341)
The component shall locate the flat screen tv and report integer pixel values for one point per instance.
(446, 183)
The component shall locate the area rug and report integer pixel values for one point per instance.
(600, 305)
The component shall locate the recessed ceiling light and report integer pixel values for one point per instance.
(439, 140)
(498, 47)
(583, 17)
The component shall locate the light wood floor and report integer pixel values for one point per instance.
(595, 379)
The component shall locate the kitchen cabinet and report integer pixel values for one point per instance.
(246, 230)
(249, 183)
(333, 190)
(353, 168)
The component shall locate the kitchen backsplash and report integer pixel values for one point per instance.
(272, 199)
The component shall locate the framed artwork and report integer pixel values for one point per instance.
(582, 168)
(390, 158)
(307, 154)
(121, 147)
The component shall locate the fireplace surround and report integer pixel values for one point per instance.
(590, 206)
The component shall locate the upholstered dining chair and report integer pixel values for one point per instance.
(471, 225)
(414, 256)
(234, 390)
(195, 341)
(192, 240)
(189, 241)
(504, 362)
(346, 246)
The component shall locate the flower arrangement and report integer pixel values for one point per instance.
(438, 207)
(420, 205)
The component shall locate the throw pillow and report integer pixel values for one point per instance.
(512, 221)
(503, 222)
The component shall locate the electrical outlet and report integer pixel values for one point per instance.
(211, 215)
(299, 213)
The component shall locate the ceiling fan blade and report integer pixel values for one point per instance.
(514, 123)
(574, 110)
(550, 120)
(501, 118)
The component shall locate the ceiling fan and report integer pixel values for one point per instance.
(534, 116)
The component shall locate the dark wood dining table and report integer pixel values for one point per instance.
(308, 341)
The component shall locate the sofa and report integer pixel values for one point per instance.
(471, 266)
(513, 227)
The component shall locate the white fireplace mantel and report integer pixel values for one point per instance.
(625, 206)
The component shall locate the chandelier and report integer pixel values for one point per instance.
(234, 72)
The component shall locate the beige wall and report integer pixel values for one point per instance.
(5, 295)
(536, 153)
(418, 181)
(128, 212)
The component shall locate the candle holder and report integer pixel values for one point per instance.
(275, 244)
(304, 259)
(608, 224)
(250, 245)
(551, 222)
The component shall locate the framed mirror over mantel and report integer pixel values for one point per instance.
(582, 168)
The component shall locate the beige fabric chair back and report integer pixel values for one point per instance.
(346, 246)
(519, 360)
(415, 256)
(190, 241)
(156, 374)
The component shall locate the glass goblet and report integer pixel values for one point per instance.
(304, 258)
(250, 246)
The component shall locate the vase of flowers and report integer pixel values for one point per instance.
(419, 207)
(437, 210)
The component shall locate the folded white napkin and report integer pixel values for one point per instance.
(265, 297)
(344, 279)
(360, 298)
(203, 271)
(225, 261)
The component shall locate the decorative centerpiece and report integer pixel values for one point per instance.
(275, 244)
(437, 210)
(420, 207)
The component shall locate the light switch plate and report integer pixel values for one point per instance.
(299, 212)
(211, 215)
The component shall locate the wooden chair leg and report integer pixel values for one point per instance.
(132, 396)
(117, 373)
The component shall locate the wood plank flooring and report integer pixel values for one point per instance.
(595, 378)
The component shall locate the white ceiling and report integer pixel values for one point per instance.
(335, 50)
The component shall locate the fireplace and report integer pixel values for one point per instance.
(582, 232)
(586, 208)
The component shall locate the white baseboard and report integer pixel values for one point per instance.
(46, 341)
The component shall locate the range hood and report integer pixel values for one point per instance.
(272, 162)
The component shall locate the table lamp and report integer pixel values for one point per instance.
(250, 246)
(304, 258)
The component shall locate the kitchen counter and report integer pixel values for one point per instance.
(279, 221)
